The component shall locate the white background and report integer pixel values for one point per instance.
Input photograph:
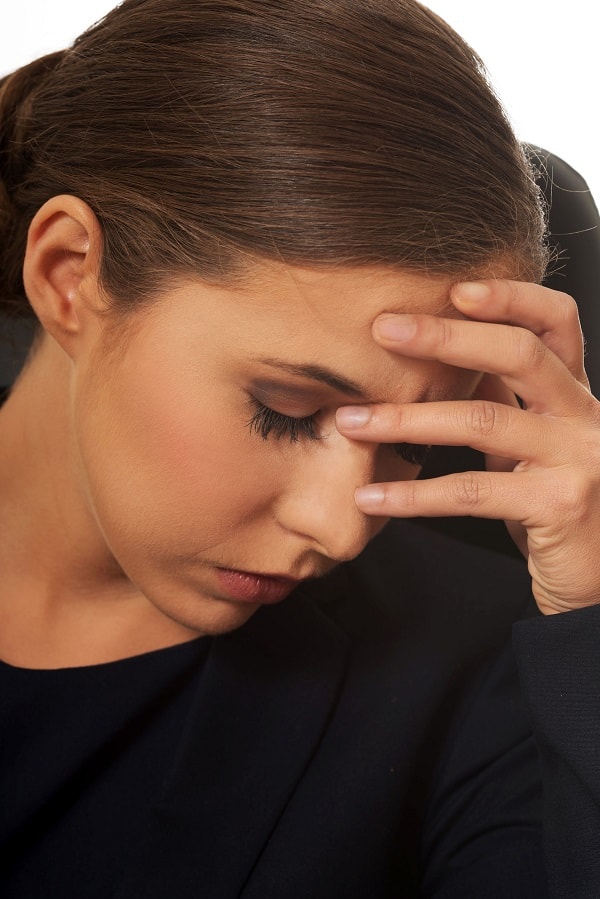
(542, 57)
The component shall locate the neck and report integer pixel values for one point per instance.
(64, 599)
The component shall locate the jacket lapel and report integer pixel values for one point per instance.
(263, 702)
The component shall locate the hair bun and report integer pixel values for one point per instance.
(17, 91)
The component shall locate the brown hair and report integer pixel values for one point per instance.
(319, 132)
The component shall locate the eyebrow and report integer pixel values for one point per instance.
(318, 373)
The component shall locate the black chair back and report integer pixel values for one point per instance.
(574, 230)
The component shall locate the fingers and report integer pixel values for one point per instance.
(545, 458)
(494, 428)
(494, 390)
(518, 356)
(550, 315)
(482, 494)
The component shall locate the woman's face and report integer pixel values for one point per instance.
(209, 452)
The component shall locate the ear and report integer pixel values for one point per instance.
(61, 269)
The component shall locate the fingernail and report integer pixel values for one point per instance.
(470, 293)
(369, 498)
(352, 416)
(396, 327)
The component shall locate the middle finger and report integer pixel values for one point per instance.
(506, 431)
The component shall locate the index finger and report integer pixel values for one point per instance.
(521, 359)
(551, 315)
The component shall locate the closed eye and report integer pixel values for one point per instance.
(266, 421)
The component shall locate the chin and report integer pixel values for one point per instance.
(208, 617)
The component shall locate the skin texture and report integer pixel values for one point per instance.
(131, 471)
(543, 460)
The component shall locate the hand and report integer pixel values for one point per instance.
(543, 460)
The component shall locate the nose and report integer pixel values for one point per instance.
(318, 503)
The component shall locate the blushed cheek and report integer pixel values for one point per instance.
(209, 457)
(174, 478)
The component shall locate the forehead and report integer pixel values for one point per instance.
(344, 298)
(312, 317)
(327, 316)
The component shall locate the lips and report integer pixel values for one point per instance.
(246, 586)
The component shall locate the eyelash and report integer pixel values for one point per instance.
(267, 421)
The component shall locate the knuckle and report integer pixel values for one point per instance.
(397, 416)
(471, 489)
(410, 493)
(530, 352)
(387, 422)
(570, 496)
(446, 331)
(482, 417)
(510, 290)
(572, 488)
(567, 310)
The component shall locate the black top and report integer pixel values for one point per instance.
(83, 753)
(366, 737)
(363, 738)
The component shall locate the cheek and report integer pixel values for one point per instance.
(171, 472)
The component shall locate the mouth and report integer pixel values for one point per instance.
(252, 587)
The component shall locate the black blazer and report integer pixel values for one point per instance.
(365, 738)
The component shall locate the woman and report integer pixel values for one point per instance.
(272, 248)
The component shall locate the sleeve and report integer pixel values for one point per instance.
(559, 664)
(482, 833)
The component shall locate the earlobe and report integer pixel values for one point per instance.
(61, 268)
